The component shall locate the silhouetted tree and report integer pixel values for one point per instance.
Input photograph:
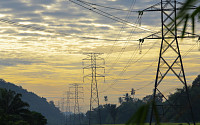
(106, 99)
(11, 103)
(196, 82)
(13, 111)
(120, 100)
(127, 97)
(36, 118)
(112, 108)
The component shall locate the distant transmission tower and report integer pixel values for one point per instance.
(62, 104)
(92, 65)
(77, 96)
(68, 117)
(169, 60)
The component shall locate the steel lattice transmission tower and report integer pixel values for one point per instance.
(68, 106)
(169, 60)
(76, 97)
(94, 62)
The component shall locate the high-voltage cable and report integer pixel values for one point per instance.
(110, 16)
(54, 32)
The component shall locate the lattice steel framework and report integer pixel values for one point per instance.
(93, 66)
(76, 97)
(169, 47)
(68, 106)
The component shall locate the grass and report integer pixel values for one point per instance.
(161, 124)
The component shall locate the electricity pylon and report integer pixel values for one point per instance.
(76, 98)
(68, 106)
(62, 104)
(166, 64)
(93, 66)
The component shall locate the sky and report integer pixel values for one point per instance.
(47, 58)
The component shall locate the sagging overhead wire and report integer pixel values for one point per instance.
(105, 14)
(189, 50)
(140, 48)
(121, 29)
(112, 8)
(123, 49)
(185, 54)
(125, 68)
(54, 32)
(140, 88)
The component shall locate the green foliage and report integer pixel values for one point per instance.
(38, 104)
(35, 118)
(13, 111)
(196, 82)
(21, 123)
(185, 14)
(140, 116)
(11, 103)
(113, 110)
(179, 97)
(137, 112)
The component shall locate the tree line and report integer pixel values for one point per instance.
(113, 114)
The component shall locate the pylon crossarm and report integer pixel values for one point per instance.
(188, 33)
(99, 67)
(99, 75)
(152, 35)
(87, 59)
(157, 35)
(152, 8)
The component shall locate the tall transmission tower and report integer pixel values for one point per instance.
(169, 60)
(92, 65)
(76, 98)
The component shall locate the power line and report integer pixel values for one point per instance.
(54, 32)
(125, 68)
(122, 50)
(186, 53)
(122, 28)
(112, 17)
(109, 7)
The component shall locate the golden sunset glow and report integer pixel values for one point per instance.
(47, 62)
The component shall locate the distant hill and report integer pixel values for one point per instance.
(38, 104)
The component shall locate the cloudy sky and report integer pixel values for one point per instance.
(47, 56)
